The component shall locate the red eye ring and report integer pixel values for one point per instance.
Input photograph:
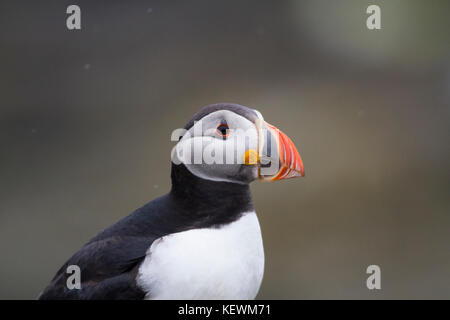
(222, 129)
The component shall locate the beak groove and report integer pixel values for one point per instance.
(290, 162)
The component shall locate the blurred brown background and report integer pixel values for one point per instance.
(86, 116)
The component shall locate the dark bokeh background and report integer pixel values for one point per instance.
(86, 116)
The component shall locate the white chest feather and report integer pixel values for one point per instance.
(216, 263)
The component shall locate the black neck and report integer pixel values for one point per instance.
(209, 202)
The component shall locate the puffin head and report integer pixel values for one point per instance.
(232, 143)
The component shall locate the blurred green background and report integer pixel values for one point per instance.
(86, 117)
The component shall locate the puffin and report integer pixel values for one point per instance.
(202, 240)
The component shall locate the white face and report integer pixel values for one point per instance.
(210, 154)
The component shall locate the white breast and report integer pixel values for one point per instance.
(213, 263)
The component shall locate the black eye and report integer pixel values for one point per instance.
(222, 129)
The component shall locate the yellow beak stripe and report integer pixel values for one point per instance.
(251, 157)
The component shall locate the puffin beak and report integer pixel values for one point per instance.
(278, 157)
